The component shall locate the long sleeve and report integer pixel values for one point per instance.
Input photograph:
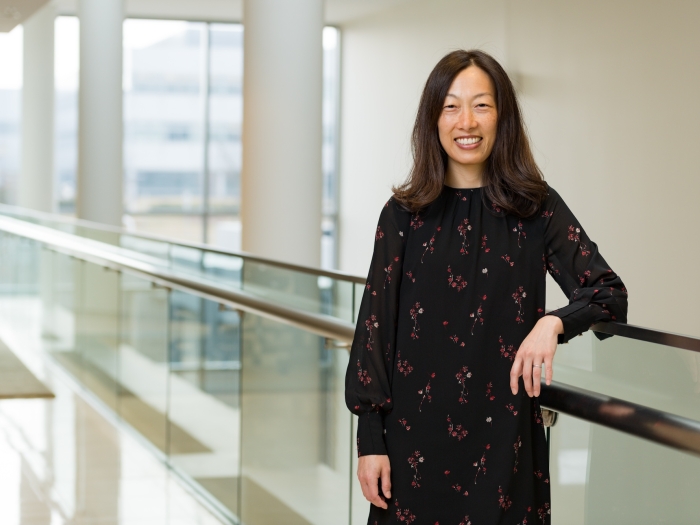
(368, 377)
(595, 292)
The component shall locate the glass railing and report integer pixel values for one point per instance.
(248, 406)
(310, 289)
(248, 410)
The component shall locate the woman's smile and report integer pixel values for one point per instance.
(468, 142)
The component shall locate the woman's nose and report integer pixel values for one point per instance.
(467, 120)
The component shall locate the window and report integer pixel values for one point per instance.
(183, 111)
(10, 114)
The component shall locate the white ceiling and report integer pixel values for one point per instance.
(14, 12)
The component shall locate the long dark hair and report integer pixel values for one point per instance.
(512, 180)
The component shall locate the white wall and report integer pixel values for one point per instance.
(608, 91)
(386, 60)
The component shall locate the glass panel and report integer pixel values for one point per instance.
(186, 258)
(19, 271)
(205, 396)
(649, 374)
(226, 269)
(143, 364)
(304, 291)
(96, 318)
(58, 294)
(295, 427)
(600, 475)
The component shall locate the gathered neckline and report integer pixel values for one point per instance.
(462, 189)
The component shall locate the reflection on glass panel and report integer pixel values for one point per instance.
(10, 113)
(226, 269)
(205, 395)
(96, 318)
(143, 358)
(287, 287)
(295, 442)
(638, 371)
(601, 475)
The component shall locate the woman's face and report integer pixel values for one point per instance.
(467, 124)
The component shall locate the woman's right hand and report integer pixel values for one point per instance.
(370, 470)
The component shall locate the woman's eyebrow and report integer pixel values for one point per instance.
(475, 96)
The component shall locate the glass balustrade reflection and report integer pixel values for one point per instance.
(296, 445)
(599, 475)
(645, 373)
(143, 358)
(327, 294)
(249, 410)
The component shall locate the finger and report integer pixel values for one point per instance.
(377, 498)
(371, 491)
(386, 482)
(515, 372)
(365, 489)
(536, 379)
(527, 375)
(548, 371)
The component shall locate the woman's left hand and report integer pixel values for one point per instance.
(538, 347)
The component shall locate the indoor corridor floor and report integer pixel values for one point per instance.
(62, 462)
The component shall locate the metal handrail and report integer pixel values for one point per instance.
(320, 324)
(333, 274)
(641, 421)
(654, 425)
(646, 334)
(611, 328)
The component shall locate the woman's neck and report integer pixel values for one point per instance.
(463, 176)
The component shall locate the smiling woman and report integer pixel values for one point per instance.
(469, 96)
(467, 127)
(451, 337)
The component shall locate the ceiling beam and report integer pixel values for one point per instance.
(15, 12)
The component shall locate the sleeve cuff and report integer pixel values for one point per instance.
(370, 434)
(575, 319)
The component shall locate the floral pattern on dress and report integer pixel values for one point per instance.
(411, 374)
(456, 282)
(462, 377)
(414, 460)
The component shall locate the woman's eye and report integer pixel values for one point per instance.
(450, 106)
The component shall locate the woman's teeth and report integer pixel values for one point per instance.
(467, 142)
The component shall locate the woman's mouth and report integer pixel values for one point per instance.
(468, 141)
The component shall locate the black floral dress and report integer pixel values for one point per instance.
(451, 294)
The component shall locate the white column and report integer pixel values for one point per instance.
(282, 91)
(100, 173)
(36, 180)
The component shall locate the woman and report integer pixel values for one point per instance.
(445, 366)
